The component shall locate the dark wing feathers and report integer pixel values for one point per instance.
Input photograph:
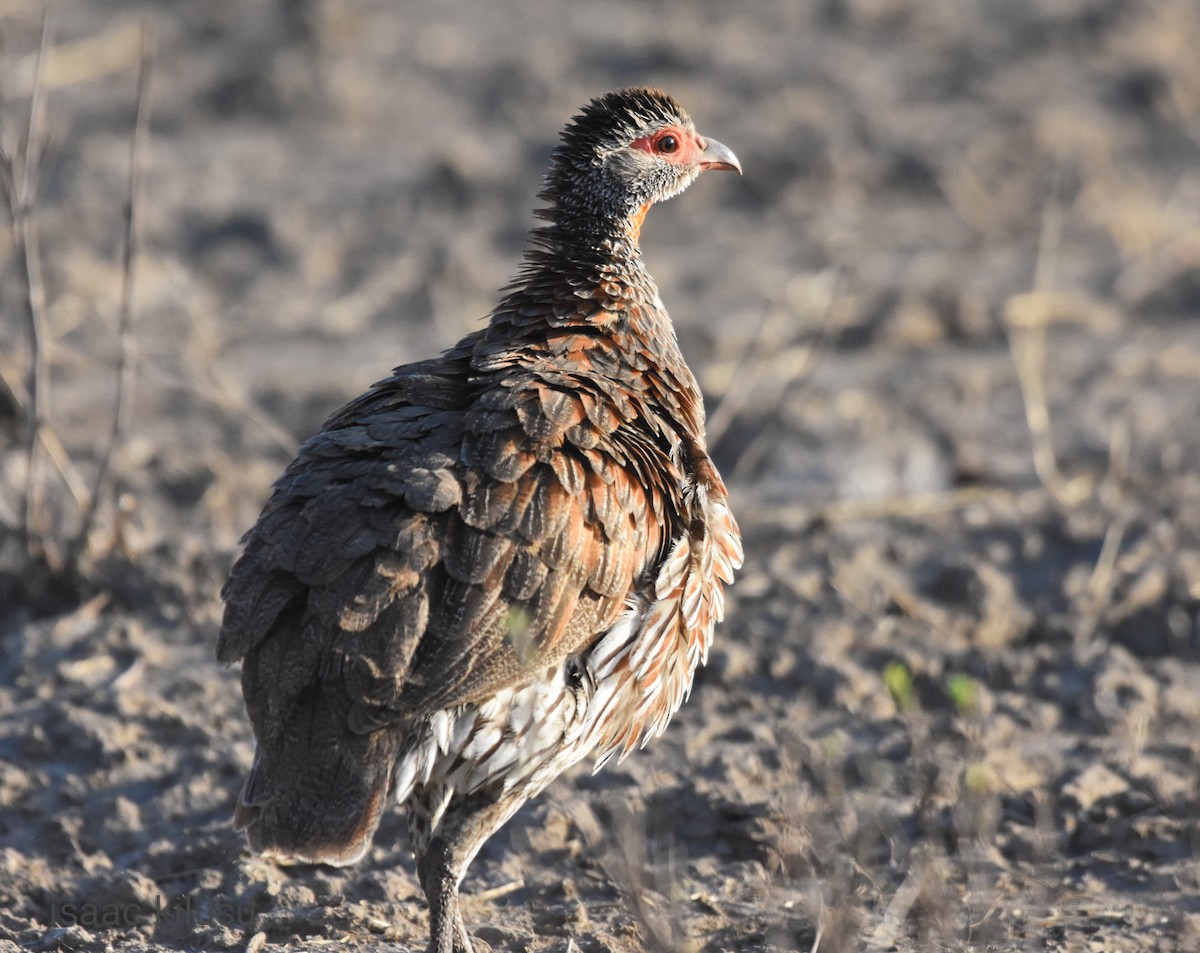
(443, 534)
(569, 470)
(525, 576)
(563, 546)
(474, 557)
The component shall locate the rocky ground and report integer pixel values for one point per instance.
(947, 329)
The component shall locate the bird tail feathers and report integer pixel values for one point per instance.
(316, 791)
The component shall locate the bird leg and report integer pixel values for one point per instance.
(440, 880)
(464, 828)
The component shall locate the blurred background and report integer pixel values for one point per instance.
(946, 326)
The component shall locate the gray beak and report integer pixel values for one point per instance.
(716, 155)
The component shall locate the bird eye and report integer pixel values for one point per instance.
(667, 144)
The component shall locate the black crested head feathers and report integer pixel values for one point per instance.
(596, 183)
(617, 118)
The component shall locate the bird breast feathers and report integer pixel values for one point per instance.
(644, 665)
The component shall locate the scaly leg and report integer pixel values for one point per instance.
(440, 880)
(464, 828)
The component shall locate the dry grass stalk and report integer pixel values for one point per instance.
(127, 361)
(649, 886)
(768, 349)
(890, 926)
(19, 172)
(1100, 584)
(913, 506)
(10, 387)
(92, 58)
(67, 470)
(1026, 318)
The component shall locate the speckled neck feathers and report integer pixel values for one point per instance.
(583, 300)
(594, 193)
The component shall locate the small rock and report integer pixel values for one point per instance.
(1094, 784)
(70, 938)
(256, 942)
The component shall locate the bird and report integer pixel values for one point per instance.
(497, 562)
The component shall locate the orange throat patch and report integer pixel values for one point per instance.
(635, 221)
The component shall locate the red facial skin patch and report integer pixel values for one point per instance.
(689, 145)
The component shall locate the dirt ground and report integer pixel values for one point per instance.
(947, 327)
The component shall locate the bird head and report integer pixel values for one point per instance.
(625, 151)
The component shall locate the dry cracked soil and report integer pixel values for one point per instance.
(947, 329)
